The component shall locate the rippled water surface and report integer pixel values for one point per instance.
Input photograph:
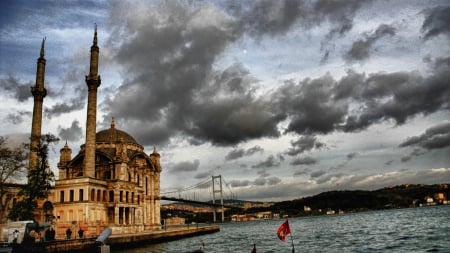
(424, 229)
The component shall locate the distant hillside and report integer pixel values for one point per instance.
(393, 197)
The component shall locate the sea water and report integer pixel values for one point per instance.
(425, 229)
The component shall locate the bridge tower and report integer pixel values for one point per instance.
(217, 180)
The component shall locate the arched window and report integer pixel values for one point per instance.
(48, 211)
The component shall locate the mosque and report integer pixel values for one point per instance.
(111, 182)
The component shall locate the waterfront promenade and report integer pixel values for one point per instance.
(119, 241)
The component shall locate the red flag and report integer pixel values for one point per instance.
(254, 248)
(283, 230)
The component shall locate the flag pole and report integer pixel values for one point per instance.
(292, 240)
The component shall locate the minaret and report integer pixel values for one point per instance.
(64, 158)
(93, 82)
(39, 92)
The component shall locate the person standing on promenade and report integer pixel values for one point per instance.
(68, 233)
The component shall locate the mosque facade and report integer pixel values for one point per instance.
(111, 182)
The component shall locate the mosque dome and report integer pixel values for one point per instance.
(113, 135)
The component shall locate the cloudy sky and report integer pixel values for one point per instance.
(284, 99)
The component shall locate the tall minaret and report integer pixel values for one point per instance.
(93, 82)
(39, 92)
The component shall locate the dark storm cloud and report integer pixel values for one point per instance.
(238, 153)
(17, 118)
(435, 137)
(169, 55)
(362, 48)
(317, 174)
(225, 111)
(253, 150)
(20, 91)
(240, 183)
(70, 101)
(352, 155)
(172, 87)
(310, 105)
(266, 181)
(437, 21)
(306, 160)
(386, 96)
(301, 172)
(262, 172)
(202, 175)
(322, 105)
(72, 133)
(57, 109)
(267, 17)
(273, 180)
(338, 13)
(271, 161)
(416, 152)
(304, 143)
(260, 181)
(235, 154)
(185, 166)
(329, 178)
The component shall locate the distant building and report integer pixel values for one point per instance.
(440, 197)
(255, 216)
(174, 221)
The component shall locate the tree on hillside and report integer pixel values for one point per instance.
(12, 170)
(39, 184)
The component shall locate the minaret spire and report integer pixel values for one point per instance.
(39, 92)
(93, 82)
(95, 35)
(42, 47)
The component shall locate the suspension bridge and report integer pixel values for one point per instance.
(210, 192)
